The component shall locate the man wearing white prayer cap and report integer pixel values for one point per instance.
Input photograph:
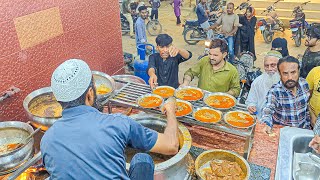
(87, 144)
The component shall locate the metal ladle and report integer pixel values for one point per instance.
(24, 141)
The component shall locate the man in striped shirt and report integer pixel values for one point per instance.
(315, 142)
(287, 101)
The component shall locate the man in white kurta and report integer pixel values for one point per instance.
(262, 84)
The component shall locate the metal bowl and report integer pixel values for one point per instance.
(247, 113)
(169, 87)
(149, 95)
(14, 132)
(307, 171)
(203, 160)
(188, 87)
(127, 78)
(103, 79)
(188, 103)
(207, 95)
(38, 97)
(196, 110)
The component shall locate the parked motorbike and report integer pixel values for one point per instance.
(153, 27)
(243, 6)
(267, 27)
(298, 25)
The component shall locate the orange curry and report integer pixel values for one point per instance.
(207, 115)
(48, 109)
(220, 101)
(189, 94)
(240, 119)
(103, 89)
(164, 92)
(150, 102)
(183, 109)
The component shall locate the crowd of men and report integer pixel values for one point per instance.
(87, 144)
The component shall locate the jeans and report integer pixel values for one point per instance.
(206, 25)
(230, 41)
(154, 13)
(141, 167)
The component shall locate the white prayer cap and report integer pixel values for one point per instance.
(70, 80)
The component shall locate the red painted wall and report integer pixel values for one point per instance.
(91, 31)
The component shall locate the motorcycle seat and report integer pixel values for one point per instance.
(192, 23)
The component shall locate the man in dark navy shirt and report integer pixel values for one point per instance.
(164, 66)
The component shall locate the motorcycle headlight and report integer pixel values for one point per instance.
(207, 43)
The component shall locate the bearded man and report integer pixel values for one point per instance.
(262, 84)
(287, 101)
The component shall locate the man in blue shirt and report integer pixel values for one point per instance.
(202, 14)
(87, 144)
(140, 26)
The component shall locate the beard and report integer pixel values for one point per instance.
(290, 84)
(272, 78)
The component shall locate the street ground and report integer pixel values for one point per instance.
(168, 21)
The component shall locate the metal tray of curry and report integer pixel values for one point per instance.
(221, 101)
(183, 108)
(189, 93)
(207, 115)
(150, 101)
(239, 119)
(164, 91)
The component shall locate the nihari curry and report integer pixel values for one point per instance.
(150, 102)
(207, 115)
(103, 89)
(239, 119)
(47, 109)
(220, 101)
(164, 92)
(183, 108)
(224, 170)
(189, 94)
(9, 147)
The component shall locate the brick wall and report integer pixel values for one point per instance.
(37, 35)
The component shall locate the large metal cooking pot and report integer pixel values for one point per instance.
(178, 166)
(104, 79)
(37, 98)
(12, 132)
(126, 78)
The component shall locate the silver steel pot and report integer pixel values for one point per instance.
(43, 95)
(101, 78)
(178, 166)
(14, 132)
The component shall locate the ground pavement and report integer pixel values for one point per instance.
(168, 21)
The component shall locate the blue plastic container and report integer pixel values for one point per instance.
(140, 63)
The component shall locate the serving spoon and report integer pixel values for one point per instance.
(24, 141)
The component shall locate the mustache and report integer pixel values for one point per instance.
(289, 81)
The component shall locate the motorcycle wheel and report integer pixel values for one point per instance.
(154, 28)
(189, 34)
(267, 36)
(124, 28)
(297, 38)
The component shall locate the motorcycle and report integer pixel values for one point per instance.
(153, 27)
(298, 25)
(243, 6)
(268, 28)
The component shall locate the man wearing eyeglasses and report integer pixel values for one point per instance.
(287, 101)
(261, 85)
(311, 57)
(214, 72)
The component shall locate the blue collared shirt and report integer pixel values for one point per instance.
(284, 108)
(140, 30)
(87, 144)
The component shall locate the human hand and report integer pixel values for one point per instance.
(183, 84)
(173, 51)
(153, 81)
(169, 108)
(252, 109)
(315, 144)
(267, 129)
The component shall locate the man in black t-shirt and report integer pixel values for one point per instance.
(163, 67)
(311, 57)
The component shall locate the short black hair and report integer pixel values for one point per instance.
(230, 3)
(141, 8)
(289, 59)
(314, 30)
(219, 43)
(163, 40)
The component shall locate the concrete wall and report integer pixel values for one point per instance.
(37, 35)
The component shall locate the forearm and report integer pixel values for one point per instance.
(151, 72)
(171, 132)
(184, 53)
(187, 79)
(234, 30)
